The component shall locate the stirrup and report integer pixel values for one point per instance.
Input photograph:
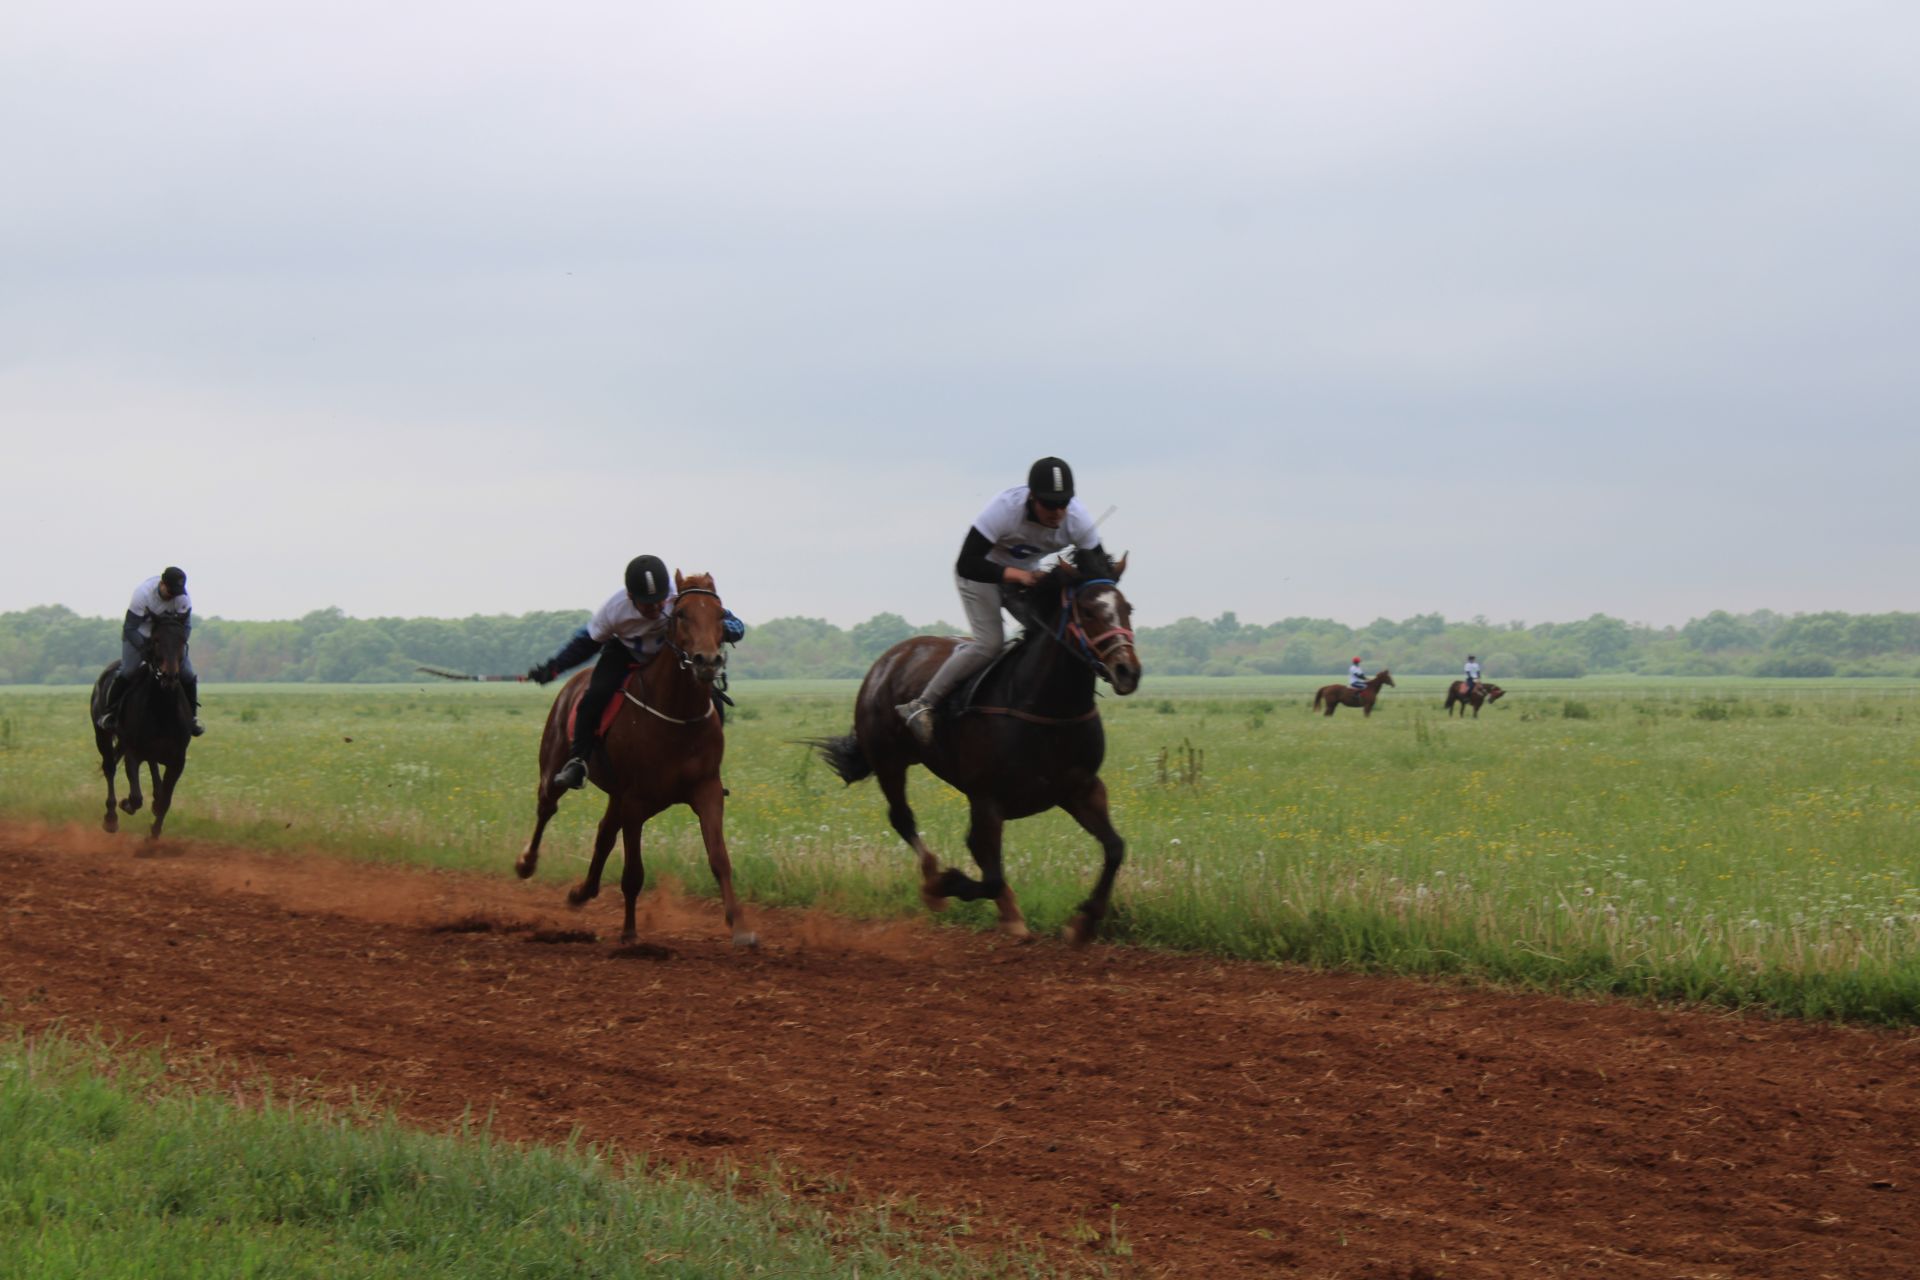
(109, 722)
(573, 774)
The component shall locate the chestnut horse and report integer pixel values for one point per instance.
(1483, 692)
(1029, 738)
(154, 726)
(662, 749)
(1336, 696)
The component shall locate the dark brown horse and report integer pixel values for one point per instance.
(154, 726)
(1483, 692)
(1029, 740)
(1336, 696)
(663, 748)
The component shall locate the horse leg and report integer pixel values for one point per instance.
(709, 805)
(892, 778)
(545, 805)
(1089, 809)
(632, 876)
(589, 886)
(984, 833)
(110, 766)
(163, 785)
(134, 799)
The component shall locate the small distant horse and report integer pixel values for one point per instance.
(1028, 740)
(1483, 692)
(663, 748)
(1336, 696)
(154, 725)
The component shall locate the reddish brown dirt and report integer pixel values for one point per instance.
(1245, 1120)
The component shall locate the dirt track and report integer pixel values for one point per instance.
(1245, 1120)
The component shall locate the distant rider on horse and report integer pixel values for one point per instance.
(628, 630)
(164, 593)
(1019, 526)
(1356, 675)
(1473, 673)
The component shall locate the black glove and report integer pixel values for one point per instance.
(540, 672)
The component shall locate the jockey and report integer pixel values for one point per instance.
(164, 593)
(628, 630)
(1019, 526)
(1473, 672)
(1356, 676)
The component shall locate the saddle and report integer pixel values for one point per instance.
(612, 709)
(965, 695)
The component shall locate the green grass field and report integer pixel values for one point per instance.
(1738, 842)
(113, 1169)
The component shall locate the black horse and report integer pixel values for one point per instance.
(154, 726)
(1028, 739)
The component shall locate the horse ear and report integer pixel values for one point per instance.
(1120, 566)
(679, 580)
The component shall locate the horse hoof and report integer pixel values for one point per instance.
(129, 806)
(1017, 930)
(1078, 931)
(111, 825)
(523, 866)
(746, 938)
(936, 903)
(579, 897)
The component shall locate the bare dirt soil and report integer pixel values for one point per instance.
(1233, 1119)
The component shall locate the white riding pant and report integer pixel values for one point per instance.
(982, 602)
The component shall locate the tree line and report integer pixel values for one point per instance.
(53, 645)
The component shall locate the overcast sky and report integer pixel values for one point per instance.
(1517, 309)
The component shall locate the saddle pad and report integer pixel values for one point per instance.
(607, 716)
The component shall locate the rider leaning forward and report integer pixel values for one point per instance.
(164, 593)
(1018, 527)
(628, 630)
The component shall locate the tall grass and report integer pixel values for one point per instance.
(110, 1170)
(1742, 842)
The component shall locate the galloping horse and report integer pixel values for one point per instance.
(154, 726)
(1483, 692)
(1028, 740)
(1336, 696)
(663, 748)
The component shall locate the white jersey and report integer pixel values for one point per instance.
(1019, 542)
(1356, 675)
(619, 617)
(1473, 671)
(147, 605)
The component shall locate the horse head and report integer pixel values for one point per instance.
(698, 627)
(167, 647)
(1385, 677)
(1100, 617)
(1492, 691)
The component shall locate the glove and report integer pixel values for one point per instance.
(540, 672)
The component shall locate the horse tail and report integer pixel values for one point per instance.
(1317, 695)
(844, 756)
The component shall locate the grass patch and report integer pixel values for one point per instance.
(109, 1169)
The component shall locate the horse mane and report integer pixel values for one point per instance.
(1091, 563)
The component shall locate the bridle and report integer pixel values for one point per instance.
(1072, 633)
(681, 655)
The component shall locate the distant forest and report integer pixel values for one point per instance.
(54, 645)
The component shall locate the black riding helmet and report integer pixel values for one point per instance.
(1050, 480)
(174, 579)
(647, 581)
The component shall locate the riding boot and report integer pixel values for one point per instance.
(192, 686)
(573, 774)
(110, 718)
